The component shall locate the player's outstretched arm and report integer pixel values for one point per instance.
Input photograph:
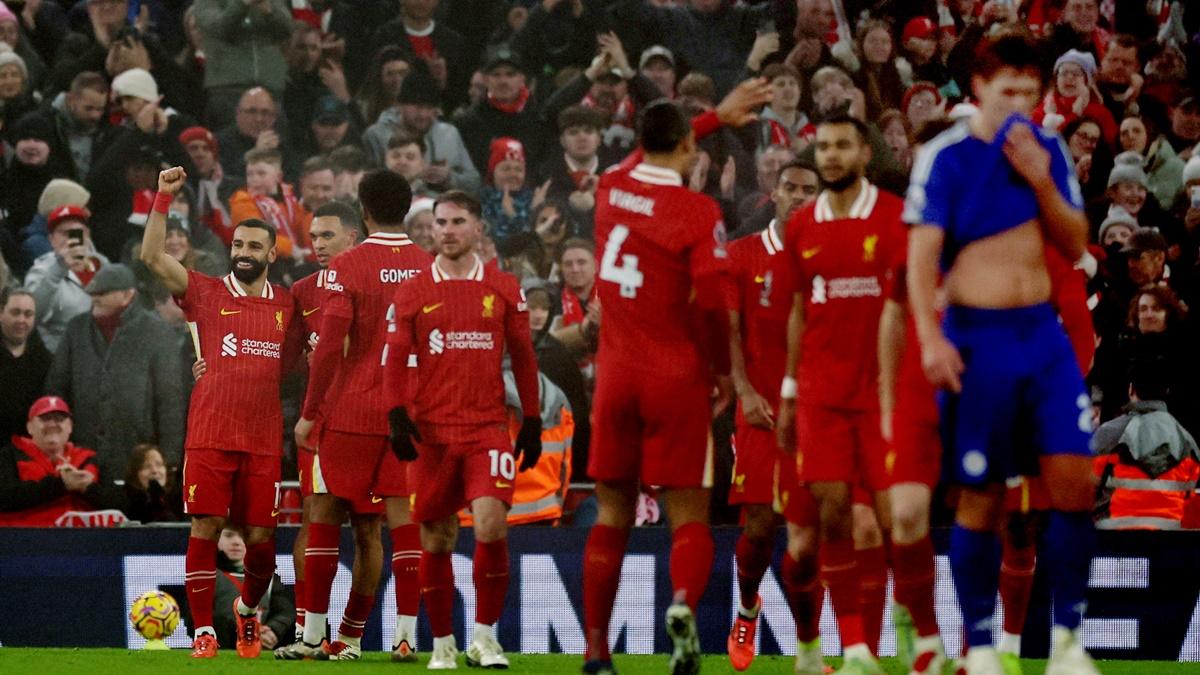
(785, 424)
(169, 270)
(890, 346)
(939, 359)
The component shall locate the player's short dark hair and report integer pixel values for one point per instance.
(385, 197)
(662, 126)
(578, 242)
(258, 224)
(840, 118)
(345, 213)
(463, 200)
(1150, 378)
(1009, 48)
(403, 139)
(799, 163)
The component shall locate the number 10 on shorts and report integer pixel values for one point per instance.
(503, 464)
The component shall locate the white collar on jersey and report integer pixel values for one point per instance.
(235, 288)
(655, 175)
(771, 240)
(476, 273)
(861, 209)
(388, 239)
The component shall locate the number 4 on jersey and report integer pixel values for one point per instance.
(625, 274)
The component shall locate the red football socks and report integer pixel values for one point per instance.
(406, 563)
(201, 579)
(805, 595)
(437, 591)
(1016, 584)
(491, 580)
(320, 565)
(602, 558)
(873, 577)
(840, 574)
(914, 571)
(354, 619)
(260, 568)
(691, 562)
(753, 559)
(299, 591)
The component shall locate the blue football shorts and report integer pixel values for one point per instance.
(1022, 394)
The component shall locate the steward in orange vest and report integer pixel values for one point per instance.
(1147, 463)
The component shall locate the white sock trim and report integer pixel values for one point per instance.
(206, 630)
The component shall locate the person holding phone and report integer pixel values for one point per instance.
(57, 278)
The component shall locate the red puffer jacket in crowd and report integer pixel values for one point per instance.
(31, 492)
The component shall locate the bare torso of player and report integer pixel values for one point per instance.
(1004, 270)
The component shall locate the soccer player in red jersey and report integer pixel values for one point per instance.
(334, 228)
(458, 318)
(664, 284)
(764, 477)
(352, 467)
(839, 252)
(242, 324)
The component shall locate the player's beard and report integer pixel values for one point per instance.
(248, 275)
(841, 184)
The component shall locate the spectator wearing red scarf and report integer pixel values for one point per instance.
(578, 326)
(44, 475)
(1074, 95)
(506, 111)
(266, 197)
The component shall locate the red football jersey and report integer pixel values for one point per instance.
(358, 288)
(657, 241)
(247, 342)
(764, 305)
(841, 265)
(308, 303)
(459, 329)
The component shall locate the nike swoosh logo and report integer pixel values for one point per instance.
(759, 280)
(225, 312)
(274, 514)
(806, 254)
(501, 484)
(429, 308)
(376, 500)
(309, 312)
(201, 590)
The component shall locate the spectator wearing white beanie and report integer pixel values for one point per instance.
(136, 82)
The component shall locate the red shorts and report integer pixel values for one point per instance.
(652, 430)
(916, 453)
(1025, 494)
(236, 485)
(764, 474)
(358, 468)
(840, 446)
(447, 477)
(304, 471)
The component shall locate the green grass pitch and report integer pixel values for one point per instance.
(122, 662)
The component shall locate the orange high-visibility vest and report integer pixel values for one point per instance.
(1140, 502)
(538, 494)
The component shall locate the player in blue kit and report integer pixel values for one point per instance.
(984, 197)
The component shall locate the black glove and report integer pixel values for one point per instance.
(529, 442)
(402, 431)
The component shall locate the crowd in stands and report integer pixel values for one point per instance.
(277, 107)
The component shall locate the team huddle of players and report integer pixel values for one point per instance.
(834, 328)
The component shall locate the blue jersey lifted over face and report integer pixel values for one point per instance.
(1022, 392)
(966, 186)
